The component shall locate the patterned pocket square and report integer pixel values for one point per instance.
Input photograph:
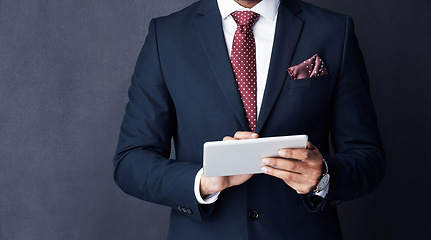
(312, 67)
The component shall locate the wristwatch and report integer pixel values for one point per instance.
(324, 179)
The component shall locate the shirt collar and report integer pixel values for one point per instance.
(266, 8)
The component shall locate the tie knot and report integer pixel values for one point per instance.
(245, 18)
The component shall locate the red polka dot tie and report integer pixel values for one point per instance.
(243, 59)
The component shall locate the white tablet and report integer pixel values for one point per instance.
(224, 158)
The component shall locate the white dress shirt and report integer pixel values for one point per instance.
(264, 32)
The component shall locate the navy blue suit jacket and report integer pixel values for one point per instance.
(184, 88)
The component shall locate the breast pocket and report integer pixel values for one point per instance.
(308, 82)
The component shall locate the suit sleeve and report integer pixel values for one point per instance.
(142, 167)
(358, 165)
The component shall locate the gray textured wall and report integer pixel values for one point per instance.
(64, 71)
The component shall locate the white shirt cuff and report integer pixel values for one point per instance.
(207, 199)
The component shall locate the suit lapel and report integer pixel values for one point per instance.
(210, 31)
(287, 33)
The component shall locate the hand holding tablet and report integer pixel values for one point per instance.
(226, 158)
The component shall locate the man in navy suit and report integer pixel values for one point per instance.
(184, 88)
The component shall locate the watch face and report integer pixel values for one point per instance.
(323, 182)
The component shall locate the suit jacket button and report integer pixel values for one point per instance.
(253, 215)
(189, 211)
